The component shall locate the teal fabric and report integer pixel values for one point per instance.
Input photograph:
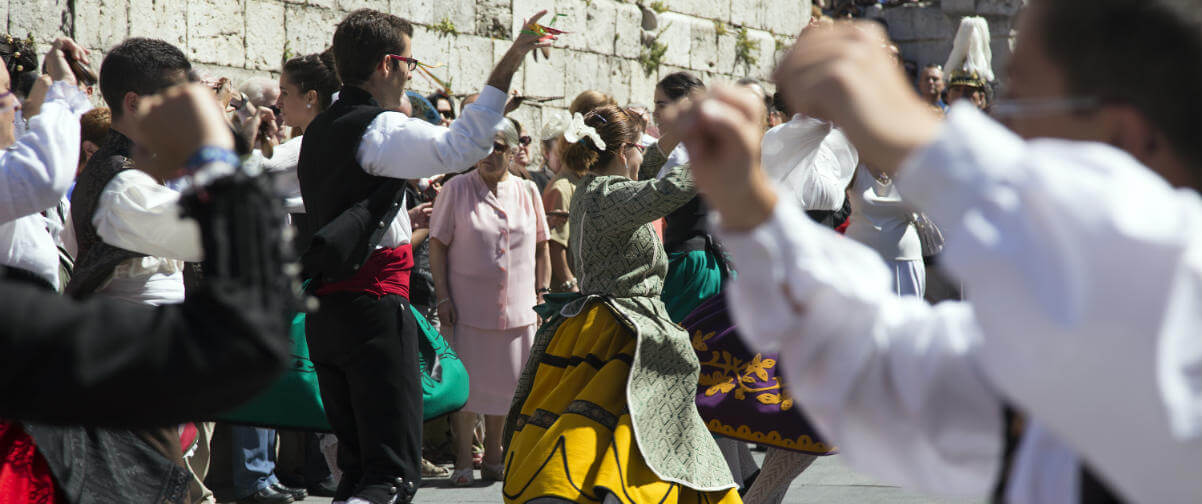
(294, 401)
(692, 278)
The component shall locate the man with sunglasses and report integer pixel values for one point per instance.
(364, 339)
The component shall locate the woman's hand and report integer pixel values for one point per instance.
(447, 314)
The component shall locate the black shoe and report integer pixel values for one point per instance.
(324, 488)
(267, 495)
(296, 493)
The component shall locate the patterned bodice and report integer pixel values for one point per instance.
(615, 251)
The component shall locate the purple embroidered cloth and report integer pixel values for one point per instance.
(739, 393)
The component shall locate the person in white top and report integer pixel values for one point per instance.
(37, 169)
(881, 220)
(1084, 261)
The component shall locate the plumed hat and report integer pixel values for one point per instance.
(971, 61)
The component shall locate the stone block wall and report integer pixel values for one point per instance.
(607, 50)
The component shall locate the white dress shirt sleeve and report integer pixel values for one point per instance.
(38, 169)
(140, 215)
(399, 146)
(892, 381)
(1086, 269)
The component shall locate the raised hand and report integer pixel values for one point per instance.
(844, 73)
(56, 63)
(527, 40)
(174, 124)
(722, 131)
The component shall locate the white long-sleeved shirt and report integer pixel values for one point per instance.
(399, 146)
(1086, 272)
(137, 213)
(36, 173)
(811, 160)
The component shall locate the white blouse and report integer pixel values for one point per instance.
(1085, 315)
(881, 220)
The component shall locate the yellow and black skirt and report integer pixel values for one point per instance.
(573, 439)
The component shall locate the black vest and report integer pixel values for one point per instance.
(331, 180)
(96, 260)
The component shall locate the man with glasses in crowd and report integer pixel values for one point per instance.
(363, 339)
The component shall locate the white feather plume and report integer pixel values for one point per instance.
(970, 50)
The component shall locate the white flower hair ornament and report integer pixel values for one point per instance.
(577, 131)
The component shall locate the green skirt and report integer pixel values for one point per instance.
(692, 278)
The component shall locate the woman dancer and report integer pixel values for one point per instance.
(605, 407)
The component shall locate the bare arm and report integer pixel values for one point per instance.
(542, 268)
(442, 288)
(561, 272)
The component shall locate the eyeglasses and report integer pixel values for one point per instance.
(447, 114)
(1026, 107)
(412, 62)
(525, 140)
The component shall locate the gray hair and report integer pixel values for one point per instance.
(256, 89)
(509, 132)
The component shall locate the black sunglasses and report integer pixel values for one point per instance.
(500, 147)
(525, 140)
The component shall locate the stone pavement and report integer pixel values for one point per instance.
(826, 481)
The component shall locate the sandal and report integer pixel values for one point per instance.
(492, 472)
(462, 478)
(432, 470)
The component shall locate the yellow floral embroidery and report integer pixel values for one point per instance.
(733, 374)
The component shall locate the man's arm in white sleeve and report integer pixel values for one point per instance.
(1077, 257)
(139, 215)
(399, 146)
(891, 381)
(38, 169)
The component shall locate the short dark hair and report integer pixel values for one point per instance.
(143, 66)
(363, 38)
(678, 85)
(1158, 45)
(439, 95)
(314, 72)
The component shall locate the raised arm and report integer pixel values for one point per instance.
(38, 169)
(633, 203)
(403, 147)
(892, 381)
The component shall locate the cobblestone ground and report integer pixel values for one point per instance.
(827, 481)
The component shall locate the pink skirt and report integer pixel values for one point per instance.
(494, 360)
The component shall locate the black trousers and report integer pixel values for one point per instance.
(364, 349)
